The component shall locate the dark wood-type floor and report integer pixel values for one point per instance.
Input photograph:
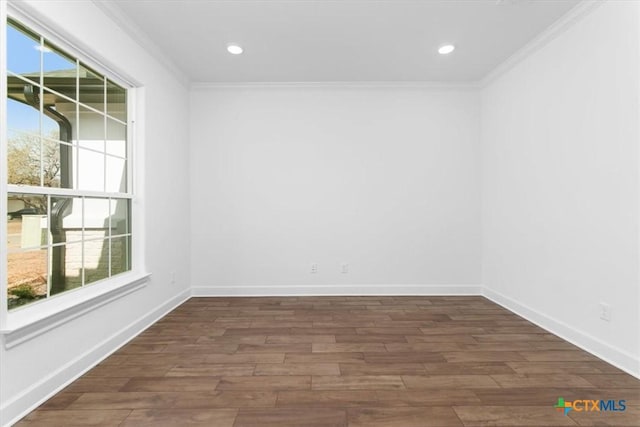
(342, 361)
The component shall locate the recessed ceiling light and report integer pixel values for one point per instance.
(234, 49)
(446, 49)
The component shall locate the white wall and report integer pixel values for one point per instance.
(560, 136)
(32, 370)
(384, 179)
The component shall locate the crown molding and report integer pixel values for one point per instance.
(121, 19)
(554, 31)
(352, 85)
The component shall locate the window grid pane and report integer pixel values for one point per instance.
(68, 153)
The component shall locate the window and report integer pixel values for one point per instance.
(68, 171)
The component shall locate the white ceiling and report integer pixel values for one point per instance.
(341, 40)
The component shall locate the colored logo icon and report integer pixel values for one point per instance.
(563, 406)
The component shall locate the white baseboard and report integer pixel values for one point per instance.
(19, 406)
(335, 290)
(612, 355)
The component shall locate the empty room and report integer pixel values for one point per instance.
(299, 213)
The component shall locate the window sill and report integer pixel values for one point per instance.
(29, 322)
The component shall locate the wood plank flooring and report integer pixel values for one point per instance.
(342, 361)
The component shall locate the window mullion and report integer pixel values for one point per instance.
(56, 191)
(41, 110)
(82, 243)
(109, 236)
(4, 164)
(49, 244)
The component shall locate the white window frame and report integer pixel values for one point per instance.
(24, 323)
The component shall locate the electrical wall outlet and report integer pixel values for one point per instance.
(314, 268)
(605, 311)
(344, 268)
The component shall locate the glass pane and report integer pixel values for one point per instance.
(96, 260)
(25, 93)
(50, 128)
(65, 155)
(116, 101)
(59, 70)
(116, 175)
(91, 88)
(26, 221)
(96, 218)
(22, 117)
(27, 277)
(120, 216)
(58, 117)
(23, 159)
(91, 130)
(51, 169)
(116, 138)
(90, 170)
(23, 52)
(66, 267)
(120, 255)
(66, 219)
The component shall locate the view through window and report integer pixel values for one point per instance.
(69, 199)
